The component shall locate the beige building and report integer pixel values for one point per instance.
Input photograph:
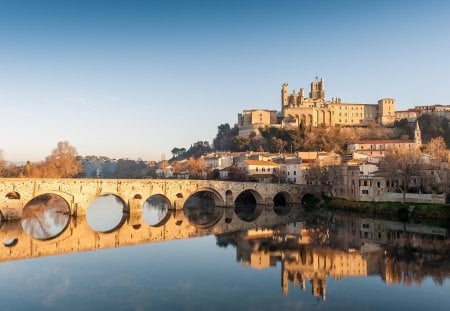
(315, 110)
(251, 120)
(259, 170)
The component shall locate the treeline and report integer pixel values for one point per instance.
(274, 139)
(64, 162)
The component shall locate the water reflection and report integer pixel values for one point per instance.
(155, 210)
(282, 209)
(316, 251)
(248, 212)
(201, 211)
(340, 245)
(45, 216)
(106, 213)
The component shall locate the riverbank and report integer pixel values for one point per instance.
(401, 210)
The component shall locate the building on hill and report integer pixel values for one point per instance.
(315, 110)
(410, 115)
(251, 120)
(378, 148)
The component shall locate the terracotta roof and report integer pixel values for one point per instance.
(261, 163)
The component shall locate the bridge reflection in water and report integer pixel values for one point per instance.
(311, 246)
(52, 232)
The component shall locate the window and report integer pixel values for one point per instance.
(364, 191)
(256, 169)
(295, 172)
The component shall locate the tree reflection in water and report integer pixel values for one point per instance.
(155, 210)
(45, 216)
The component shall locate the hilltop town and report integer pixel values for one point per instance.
(354, 151)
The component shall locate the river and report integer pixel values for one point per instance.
(205, 257)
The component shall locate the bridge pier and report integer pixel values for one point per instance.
(135, 206)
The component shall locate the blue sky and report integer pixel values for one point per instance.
(137, 78)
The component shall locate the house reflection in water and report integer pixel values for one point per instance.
(342, 246)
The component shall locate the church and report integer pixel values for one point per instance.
(315, 110)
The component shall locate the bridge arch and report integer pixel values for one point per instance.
(69, 198)
(126, 208)
(204, 218)
(116, 220)
(216, 196)
(282, 198)
(249, 196)
(156, 210)
(46, 216)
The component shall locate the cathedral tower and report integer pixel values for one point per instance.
(284, 96)
(317, 89)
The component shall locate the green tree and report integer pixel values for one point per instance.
(224, 138)
(240, 143)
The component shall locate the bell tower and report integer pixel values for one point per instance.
(317, 89)
(284, 96)
(417, 135)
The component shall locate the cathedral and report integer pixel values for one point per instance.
(315, 110)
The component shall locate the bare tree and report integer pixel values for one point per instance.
(2, 162)
(63, 161)
(437, 148)
(399, 167)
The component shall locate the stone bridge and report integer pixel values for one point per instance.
(15, 193)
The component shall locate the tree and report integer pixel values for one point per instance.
(399, 167)
(240, 143)
(177, 152)
(437, 148)
(2, 162)
(196, 166)
(63, 161)
(224, 137)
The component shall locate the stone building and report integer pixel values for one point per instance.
(251, 120)
(315, 110)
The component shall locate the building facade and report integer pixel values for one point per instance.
(315, 110)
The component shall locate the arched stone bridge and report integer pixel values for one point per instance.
(15, 193)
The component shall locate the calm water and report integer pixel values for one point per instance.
(206, 257)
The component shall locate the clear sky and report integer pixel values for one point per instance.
(137, 78)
